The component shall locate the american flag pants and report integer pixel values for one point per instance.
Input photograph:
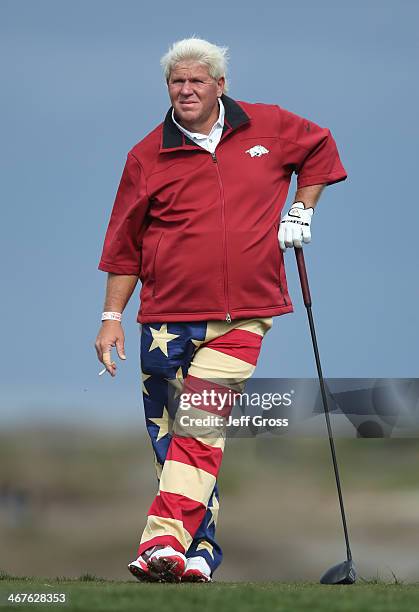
(178, 358)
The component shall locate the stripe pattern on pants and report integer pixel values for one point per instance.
(224, 358)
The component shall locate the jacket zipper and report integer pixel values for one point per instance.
(228, 315)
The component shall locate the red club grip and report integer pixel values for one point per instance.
(299, 255)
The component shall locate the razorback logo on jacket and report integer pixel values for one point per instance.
(200, 229)
(257, 151)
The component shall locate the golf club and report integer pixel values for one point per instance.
(342, 573)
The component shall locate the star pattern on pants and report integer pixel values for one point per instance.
(161, 338)
(214, 511)
(204, 545)
(164, 423)
(145, 377)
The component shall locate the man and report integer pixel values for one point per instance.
(196, 218)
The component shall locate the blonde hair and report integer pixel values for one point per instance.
(199, 50)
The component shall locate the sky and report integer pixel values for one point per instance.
(82, 84)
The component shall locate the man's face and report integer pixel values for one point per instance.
(193, 92)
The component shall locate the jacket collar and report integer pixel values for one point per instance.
(173, 138)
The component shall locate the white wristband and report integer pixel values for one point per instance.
(111, 316)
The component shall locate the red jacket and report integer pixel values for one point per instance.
(200, 229)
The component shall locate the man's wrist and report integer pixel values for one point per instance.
(305, 205)
(111, 316)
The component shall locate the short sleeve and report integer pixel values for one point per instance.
(121, 252)
(309, 150)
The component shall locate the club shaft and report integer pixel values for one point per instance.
(329, 429)
(307, 302)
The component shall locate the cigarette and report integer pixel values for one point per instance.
(102, 371)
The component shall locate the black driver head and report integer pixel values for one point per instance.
(342, 573)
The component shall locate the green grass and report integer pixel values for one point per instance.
(90, 593)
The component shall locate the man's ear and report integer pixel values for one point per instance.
(220, 86)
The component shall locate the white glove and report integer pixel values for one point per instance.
(294, 228)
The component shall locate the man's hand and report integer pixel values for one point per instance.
(110, 334)
(295, 227)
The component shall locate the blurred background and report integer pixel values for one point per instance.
(82, 85)
(74, 501)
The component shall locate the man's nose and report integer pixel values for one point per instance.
(186, 89)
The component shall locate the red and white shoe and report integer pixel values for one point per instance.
(166, 564)
(197, 570)
(139, 569)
